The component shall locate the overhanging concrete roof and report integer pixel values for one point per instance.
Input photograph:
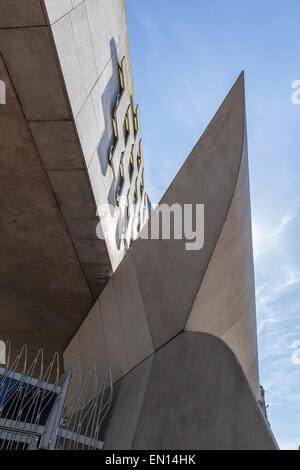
(53, 266)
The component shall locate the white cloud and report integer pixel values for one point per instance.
(278, 305)
(268, 236)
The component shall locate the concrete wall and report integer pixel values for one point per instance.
(225, 303)
(90, 39)
(122, 321)
(150, 297)
(191, 394)
(60, 63)
(43, 289)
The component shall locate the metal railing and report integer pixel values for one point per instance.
(62, 414)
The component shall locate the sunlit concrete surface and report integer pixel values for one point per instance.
(191, 394)
(156, 292)
(60, 61)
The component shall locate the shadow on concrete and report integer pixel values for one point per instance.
(108, 100)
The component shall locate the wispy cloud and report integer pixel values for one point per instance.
(278, 307)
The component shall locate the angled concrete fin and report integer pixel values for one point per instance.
(225, 302)
(160, 280)
(169, 275)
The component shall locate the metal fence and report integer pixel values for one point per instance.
(41, 410)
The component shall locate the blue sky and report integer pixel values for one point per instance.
(186, 55)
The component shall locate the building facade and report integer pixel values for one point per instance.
(81, 275)
(74, 194)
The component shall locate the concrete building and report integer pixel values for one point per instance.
(70, 143)
(176, 327)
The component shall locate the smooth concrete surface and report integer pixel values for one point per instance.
(253, 374)
(65, 74)
(152, 293)
(60, 66)
(55, 9)
(169, 275)
(125, 324)
(128, 397)
(136, 341)
(57, 143)
(30, 59)
(192, 394)
(20, 13)
(225, 303)
(113, 332)
(89, 347)
(44, 293)
(92, 343)
(90, 40)
(61, 74)
(40, 88)
(125, 338)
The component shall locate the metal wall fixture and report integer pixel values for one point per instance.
(41, 410)
(127, 161)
